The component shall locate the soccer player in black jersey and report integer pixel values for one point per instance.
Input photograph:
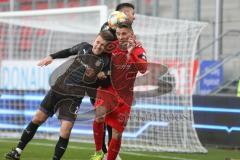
(86, 72)
(128, 9)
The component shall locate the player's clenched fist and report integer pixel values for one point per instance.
(131, 44)
(101, 75)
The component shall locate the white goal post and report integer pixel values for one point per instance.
(158, 122)
(69, 24)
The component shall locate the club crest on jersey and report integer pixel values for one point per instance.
(98, 63)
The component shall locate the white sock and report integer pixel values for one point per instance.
(19, 150)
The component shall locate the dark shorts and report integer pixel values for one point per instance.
(65, 106)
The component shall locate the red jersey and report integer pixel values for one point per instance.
(124, 70)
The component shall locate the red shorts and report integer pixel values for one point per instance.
(118, 110)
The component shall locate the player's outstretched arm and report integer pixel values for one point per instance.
(45, 61)
(77, 49)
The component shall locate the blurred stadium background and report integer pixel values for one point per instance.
(216, 95)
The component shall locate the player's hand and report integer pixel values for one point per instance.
(45, 61)
(131, 45)
(101, 75)
(89, 72)
(137, 42)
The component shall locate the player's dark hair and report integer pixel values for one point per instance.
(125, 25)
(122, 5)
(106, 35)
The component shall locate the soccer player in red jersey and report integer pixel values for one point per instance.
(128, 9)
(113, 104)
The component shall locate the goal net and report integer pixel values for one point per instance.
(161, 118)
(25, 38)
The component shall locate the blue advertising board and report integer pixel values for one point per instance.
(212, 80)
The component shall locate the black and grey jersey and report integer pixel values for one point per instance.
(72, 78)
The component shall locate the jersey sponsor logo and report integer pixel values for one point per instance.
(123, 66)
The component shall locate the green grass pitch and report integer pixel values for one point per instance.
(43, 150)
